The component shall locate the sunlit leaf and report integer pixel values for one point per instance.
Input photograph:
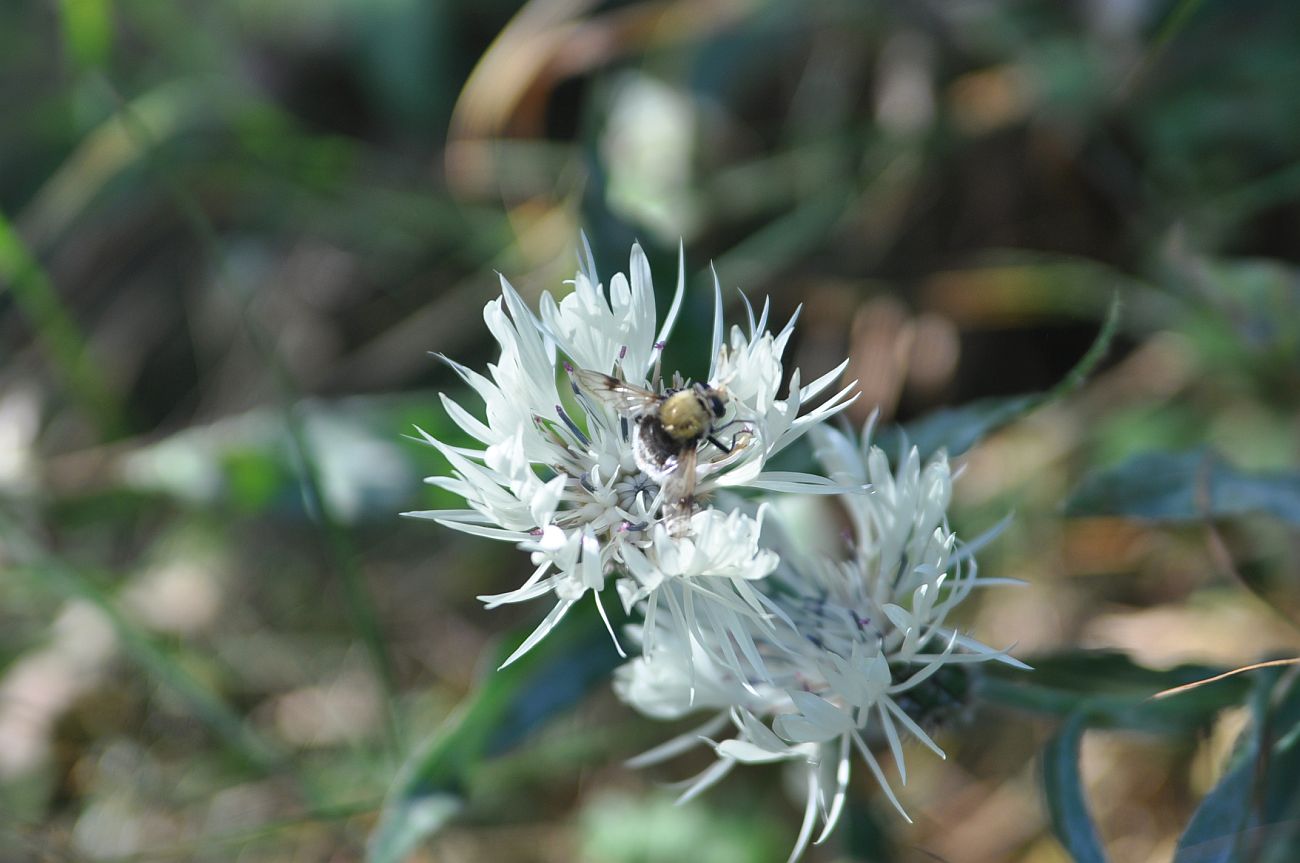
(1186, 486)
(1067, 805)
(87, 30)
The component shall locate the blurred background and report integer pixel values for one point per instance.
(230, 233)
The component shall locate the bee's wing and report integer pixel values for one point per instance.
(679, 492)
(623, 397)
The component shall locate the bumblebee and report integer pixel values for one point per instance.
(669, 429)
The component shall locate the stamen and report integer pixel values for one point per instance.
(585, 480)
(659, 358)
(573, 427)
(546, 427)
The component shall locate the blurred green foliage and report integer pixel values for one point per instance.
(230, 232)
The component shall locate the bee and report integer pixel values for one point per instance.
(669, 429)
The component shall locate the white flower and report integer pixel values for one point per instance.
(675, 676)
(705, 582)
(555, 471)
(861, 653)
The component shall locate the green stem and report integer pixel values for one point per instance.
(34, 293)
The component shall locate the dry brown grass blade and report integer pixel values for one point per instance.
(1272, 663)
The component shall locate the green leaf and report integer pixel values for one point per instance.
(1113, 691)
(506, 709)
(1187, 486)
(87, 31)
(1253, 813)
(1281, 803)
(1067, 805)
(958, 429)
(1214, 834)
(1218, 830)
(22, 276)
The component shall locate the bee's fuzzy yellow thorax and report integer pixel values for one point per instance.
(683, 416)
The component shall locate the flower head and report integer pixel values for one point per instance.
(555, 470)
(864, 655)
(597, 469)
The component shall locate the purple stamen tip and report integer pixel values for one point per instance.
(568, 366)
(537, 531)
(659, 346)
(622, 352)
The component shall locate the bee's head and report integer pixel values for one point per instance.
(714, 398)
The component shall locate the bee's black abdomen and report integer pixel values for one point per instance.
(656, 451)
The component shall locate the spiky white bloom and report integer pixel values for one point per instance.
(861, 642)
(555, 472)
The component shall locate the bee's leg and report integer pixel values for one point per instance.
(720, 445)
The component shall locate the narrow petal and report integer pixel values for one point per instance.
(843, 769)
(548, 623)
(706, 779)
(716, 343)
(809, 818)
(666, 330)
(679, 744)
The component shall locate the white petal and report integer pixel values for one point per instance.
(547, 624)
(748, 753)
(679, 744)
